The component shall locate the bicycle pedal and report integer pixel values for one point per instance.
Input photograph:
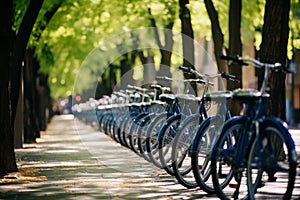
(234, 185)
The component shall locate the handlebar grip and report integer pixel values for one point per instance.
(184, 68)
(163, 78)
(229, 77)
(160, 78)
(233, 58)
(211, 84)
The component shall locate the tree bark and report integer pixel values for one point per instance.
(274, 49)
(42, 91)
(126, 69)
(187, 40)
(7, 156)
(45, 103)
(12, 53)
(19, 48)
(149, 66)
(217, 35)
(31, 123)
(165, 50)
(235, 48)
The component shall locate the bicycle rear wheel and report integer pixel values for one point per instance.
(272, 163)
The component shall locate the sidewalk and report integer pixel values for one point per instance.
(74, 161)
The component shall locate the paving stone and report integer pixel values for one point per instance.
(76, 161)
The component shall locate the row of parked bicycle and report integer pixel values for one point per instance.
(238, 157)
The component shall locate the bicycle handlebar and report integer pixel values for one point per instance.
(229, 77)
(235, 59)
(165, 78)
(185, 69)
(205, 82)
(207, 76)
(245, 61)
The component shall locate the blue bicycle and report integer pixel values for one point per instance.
(261, 154)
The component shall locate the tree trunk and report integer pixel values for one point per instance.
(165, 50)
(235, 48)
(19, 48)
(149, 66)
(45, 104)
(187, 40)
(7, 156)
(217, 35)
(12, 53)
(274, 49)
(126, 69)
(31, 124)
(43, 99)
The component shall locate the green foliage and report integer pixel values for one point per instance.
(79, 27)
(295, 24)
(200, 20)
(252, 21)
(19, 11)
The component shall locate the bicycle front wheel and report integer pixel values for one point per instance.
(181, 158)
(152, 132)
(165, 141)
(202, 143)
(228, 160)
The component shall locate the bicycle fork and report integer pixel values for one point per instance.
(240, 154)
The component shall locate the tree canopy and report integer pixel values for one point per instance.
(80, 26)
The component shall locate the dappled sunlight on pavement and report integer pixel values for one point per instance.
(77, 161)
(74, 161)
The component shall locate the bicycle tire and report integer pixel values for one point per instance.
(165, 140)
(124, 131)
(133, 134)
(227, 183)
(181, 160)
(201, 147)
(151, 138)
(118, 128)
(269, 160)
(141, 131)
